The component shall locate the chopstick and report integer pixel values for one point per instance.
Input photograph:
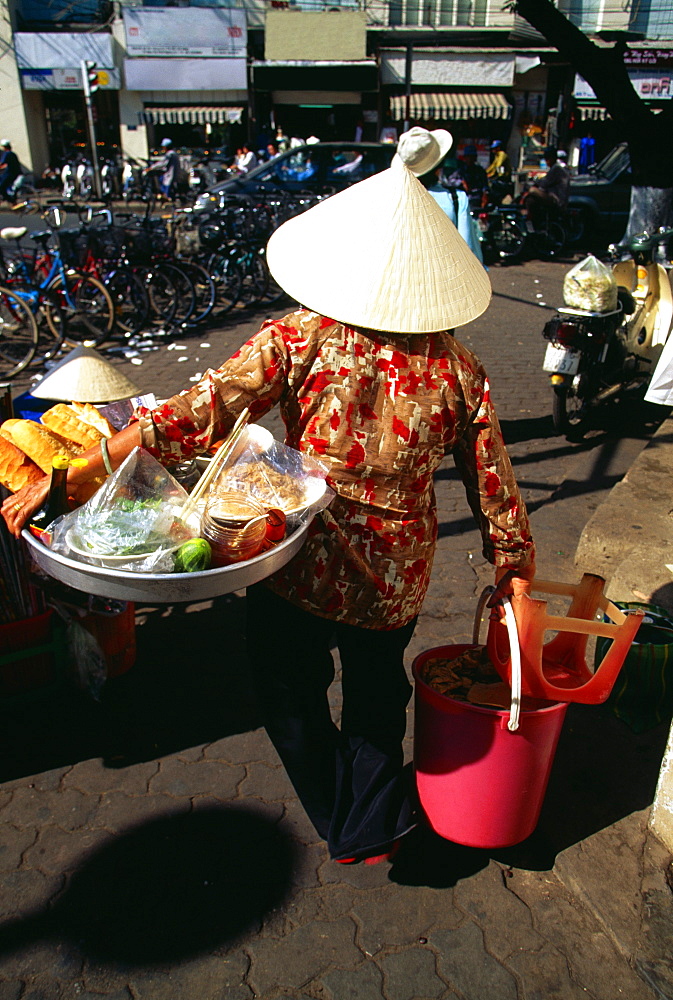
(217, 463)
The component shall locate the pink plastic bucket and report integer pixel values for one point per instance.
(478, 783)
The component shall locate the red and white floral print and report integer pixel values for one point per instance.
(381, 411)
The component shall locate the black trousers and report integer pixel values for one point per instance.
(350, 780)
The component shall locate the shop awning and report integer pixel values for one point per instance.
(190, 114)
(592, 112)
(453, 107)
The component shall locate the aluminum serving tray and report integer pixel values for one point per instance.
(165, 588)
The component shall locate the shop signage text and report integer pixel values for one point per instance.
(191, 32)
(67, 79)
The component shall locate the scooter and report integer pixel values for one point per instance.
(85, 179)
(595, 356)
(67, 181)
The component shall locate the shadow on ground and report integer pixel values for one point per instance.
(167, 890)
(189, 686)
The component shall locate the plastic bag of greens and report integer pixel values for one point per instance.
(590, 286)
(133, 523)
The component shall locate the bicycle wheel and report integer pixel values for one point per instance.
(186, 292)
(18, 334)
(162, 293)
(255, 278)
(274, 293)
(228, 278)
(87, 306)
(130, 299)
(50, 340)
(204, 288)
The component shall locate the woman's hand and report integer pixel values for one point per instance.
(18, 508)
(504, 578)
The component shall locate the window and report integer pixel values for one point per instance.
(654, 18)
(52, 13)
(440, 12)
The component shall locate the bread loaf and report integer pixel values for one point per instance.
(36, 442)
(61, 420)
(90, 415)
(16, 469)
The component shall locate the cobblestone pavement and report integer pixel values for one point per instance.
(153, 848)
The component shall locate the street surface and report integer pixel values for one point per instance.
(154, 848)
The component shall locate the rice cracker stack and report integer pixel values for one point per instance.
(16, 469)
(37, 442)
(62, 421)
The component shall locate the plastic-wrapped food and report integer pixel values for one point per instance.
(276, 476)
(590, 286)
(133, 523)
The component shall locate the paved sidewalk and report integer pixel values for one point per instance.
(153, 848)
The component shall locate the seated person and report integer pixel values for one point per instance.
(550, 192)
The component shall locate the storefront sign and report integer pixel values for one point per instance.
(38, 50)
(449, 69)
(67, 79)
(185, 31)
(187, 74)
(650, 85)
(650, 58)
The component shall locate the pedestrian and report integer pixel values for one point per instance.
(10, 169)
(550, 192)
(426, 154)
(499, 173)
(246, 160)
(168, 168)
(282, 141)
(372, 383)
(471, 171)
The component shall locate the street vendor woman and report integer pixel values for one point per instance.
(370, 381)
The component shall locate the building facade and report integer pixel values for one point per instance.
(215, 73)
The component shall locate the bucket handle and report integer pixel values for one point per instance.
(515, 651)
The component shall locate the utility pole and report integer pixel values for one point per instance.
(408, 70)
(89, 86)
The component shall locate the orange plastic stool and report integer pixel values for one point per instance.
(557, 670)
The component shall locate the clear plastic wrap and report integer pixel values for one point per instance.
(132, 523)
(591, 286)
(276, 476)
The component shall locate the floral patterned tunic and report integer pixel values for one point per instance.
(380, 411)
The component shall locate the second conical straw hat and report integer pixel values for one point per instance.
(85, 377)
(381, 255)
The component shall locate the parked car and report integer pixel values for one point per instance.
(321, 168)
(600, 199)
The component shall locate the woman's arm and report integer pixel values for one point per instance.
(18, 508)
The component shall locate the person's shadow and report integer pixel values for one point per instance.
(167, 890)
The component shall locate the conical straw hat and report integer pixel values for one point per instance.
(86, 377)
(381, 255)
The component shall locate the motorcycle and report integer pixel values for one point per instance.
(502, 232)
(592, 357)
(84, 179)
(67, 181)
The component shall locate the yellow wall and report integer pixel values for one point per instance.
(295, 34)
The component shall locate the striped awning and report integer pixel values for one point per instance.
(190, 114)
(450, 107)
(592, 112)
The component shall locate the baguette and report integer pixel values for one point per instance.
(61, 420)
(16, 469)
(36, 442)
(90, 415)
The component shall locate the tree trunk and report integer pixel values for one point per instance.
(650, 209)
(649, 136)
